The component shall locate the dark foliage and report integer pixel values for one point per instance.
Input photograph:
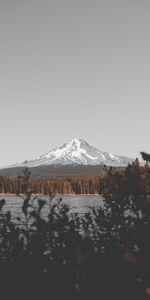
(101, 255)
(145, 156)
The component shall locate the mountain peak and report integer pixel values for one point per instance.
(76, 143)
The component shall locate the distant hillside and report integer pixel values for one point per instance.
(55, 170)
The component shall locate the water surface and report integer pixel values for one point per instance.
(77, 203)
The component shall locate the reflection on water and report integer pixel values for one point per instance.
(77, 203)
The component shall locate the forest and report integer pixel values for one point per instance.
(52, 185)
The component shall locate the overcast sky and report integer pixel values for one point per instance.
(74, 68)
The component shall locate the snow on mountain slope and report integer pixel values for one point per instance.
(77, 151)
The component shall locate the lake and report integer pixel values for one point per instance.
(77, 203)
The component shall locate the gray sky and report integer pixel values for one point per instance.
(74, 68)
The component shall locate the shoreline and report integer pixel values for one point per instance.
(8, 194)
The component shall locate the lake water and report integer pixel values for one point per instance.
(77, 203)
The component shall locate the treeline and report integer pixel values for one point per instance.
(48, 185)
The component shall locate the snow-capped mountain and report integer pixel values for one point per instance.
(76, 152)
